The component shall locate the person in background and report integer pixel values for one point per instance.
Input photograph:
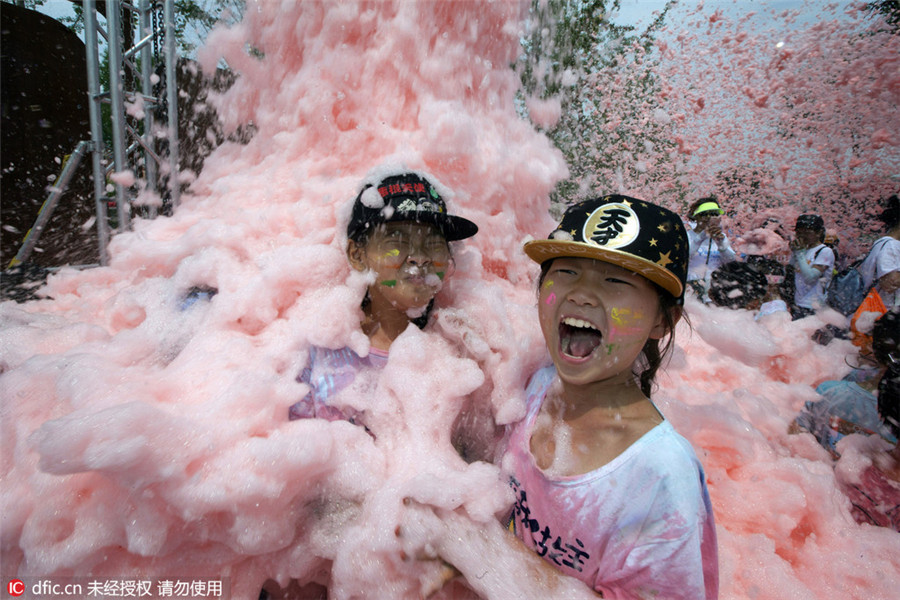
(882, 265)
(709, 246)
(874, 493)
(772, 303)
(849, 405)
(880, 271)
(813, 264)
(773, 271)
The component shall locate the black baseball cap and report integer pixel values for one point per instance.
(890, 216)
(814, 222)
(631, 233)
(405, 197)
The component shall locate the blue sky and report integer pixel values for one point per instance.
(636, 11)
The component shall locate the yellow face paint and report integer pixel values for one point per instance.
(618, 315)
(622, 316)
(548, 283)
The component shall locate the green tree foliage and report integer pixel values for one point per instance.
(889, 9)
(611, 129)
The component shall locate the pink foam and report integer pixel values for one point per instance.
(143, 440)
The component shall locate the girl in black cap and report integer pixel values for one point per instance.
(606, 490)
(399, 231)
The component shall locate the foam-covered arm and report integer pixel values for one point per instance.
(809, 273)
(726, 252)
(494, 563)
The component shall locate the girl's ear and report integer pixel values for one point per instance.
(356, 255)
(662, 326)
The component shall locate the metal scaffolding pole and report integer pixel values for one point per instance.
(91, 48)
(116, 99)
(49, 205)
(146, 28)
(172, 96)
(131, 85)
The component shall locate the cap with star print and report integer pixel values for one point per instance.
(631, 233)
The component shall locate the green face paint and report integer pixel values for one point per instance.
(389, 282)
(440, 275)
(610, 348)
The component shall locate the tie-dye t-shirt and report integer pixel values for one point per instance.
(327, 373)
(641, 526)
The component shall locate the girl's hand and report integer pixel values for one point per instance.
(417, 534)
(447, 574)
(489, 557)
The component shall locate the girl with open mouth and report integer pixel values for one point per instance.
(606, 490)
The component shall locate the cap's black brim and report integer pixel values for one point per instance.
(454, 228)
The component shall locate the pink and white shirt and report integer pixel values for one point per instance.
(641, 526)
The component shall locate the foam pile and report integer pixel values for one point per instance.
(147, 437)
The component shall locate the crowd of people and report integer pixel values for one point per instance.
(867, 400)
(802, 284)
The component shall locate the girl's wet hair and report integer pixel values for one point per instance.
(655, 351)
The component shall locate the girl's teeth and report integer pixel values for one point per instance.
(578, 323)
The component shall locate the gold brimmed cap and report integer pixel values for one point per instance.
(631, 233)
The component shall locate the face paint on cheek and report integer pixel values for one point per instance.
(551, 299)
(623, 316)
(440, 269)
(389, 283)
(393, 261)
(548, 284)
(623, 331)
